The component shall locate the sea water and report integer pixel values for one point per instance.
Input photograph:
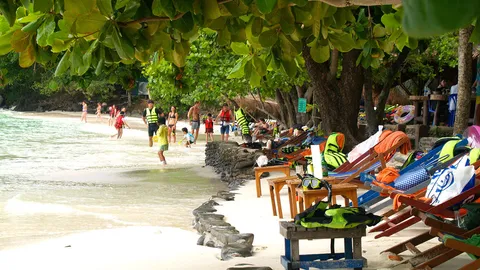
(59, 176)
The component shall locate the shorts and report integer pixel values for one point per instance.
(195, 125)
(225, 129)
(209, 130)
(163, 147)
(152, 129)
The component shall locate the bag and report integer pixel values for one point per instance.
(411, 178)
(451, 182)
(262, 161)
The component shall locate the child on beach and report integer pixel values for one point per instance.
(162, 135)
(119, 124)
(99, 112)
(209, 127)
(187, 137)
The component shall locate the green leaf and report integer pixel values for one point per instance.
(320, 54)
(260, 66)
(20, 41)
(435, 17)
(105, 7)
(179, 54)
(5, 45)
(378, 31)
(168, 8)
(238, 70)
(185, 24)
(129, 11)
(34, 25)
(343, 42)
(123, 46)
(389, 20)
(290, 48)
(184, 5)
(475, 37)
(211, 10)
(268, 38)
(76, 60)
(8, 8)
(257, 26)
(82, 17)
(300, 3)
(121, 3)
(45, 30)
(266, 6)
(224, 37)
(236, 8)
(287, 22)
(240, 48)
(255, 79)
(42, 5)
(290, 68)
(247, 69)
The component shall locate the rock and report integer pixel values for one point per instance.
(236, 250)
(201, 240)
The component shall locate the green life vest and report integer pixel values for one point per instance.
(242, 121)
(474, 155)
(151, 117)
(335, 217)
(448, 150)
(333, 152)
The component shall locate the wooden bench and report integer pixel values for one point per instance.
(275, 185)
(260, 170)
(350, 258)
(307, 197)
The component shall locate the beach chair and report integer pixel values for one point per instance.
(271, 153)
(406, 219)
(440, 253)
(373, 201)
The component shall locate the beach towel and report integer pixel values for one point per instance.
(388, 140)
(364, 146)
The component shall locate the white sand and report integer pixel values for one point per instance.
(169, 248)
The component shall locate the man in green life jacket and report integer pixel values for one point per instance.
(150, 117)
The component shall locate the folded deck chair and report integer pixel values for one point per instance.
(406, 219)
(275, 151)
(441, 253)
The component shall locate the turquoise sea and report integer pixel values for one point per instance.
(58, 176)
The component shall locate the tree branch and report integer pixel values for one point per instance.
(333, 64)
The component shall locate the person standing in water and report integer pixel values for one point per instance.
(150, 117)
(99, 112)
(225, 117)
(119, 124)
(172, 124)
(194, 115)
(113, 114)
(84, 112)
(163, 143)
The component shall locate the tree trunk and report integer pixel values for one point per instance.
(281, 102)
(372, 122)
(129, 98)
(464, 80)
(338, 100)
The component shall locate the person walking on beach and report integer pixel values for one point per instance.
(163, 143)
(194, 115)
(113, 114)
(187, 138)
(150, 118)
(84, 112)
(172, 124)
(209, 127)
(225, 116)
(99, 112)
(119, 125)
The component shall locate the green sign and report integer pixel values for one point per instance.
(302, 105)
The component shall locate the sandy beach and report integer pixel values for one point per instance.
(154, 247)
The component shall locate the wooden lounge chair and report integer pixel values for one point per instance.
(406, 219)
(271, 153)
(440, 253)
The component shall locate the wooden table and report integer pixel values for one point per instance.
(351, 257)
(260, 170)
(292, 196)
(275, 185)
(307, 197)
(416, 102)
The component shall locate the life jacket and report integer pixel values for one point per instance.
(474, 155)
(119, 122)
(208, 123)
(225, 116)
(242, 121)
(151, 117)
(335, 217)
(333, 151)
